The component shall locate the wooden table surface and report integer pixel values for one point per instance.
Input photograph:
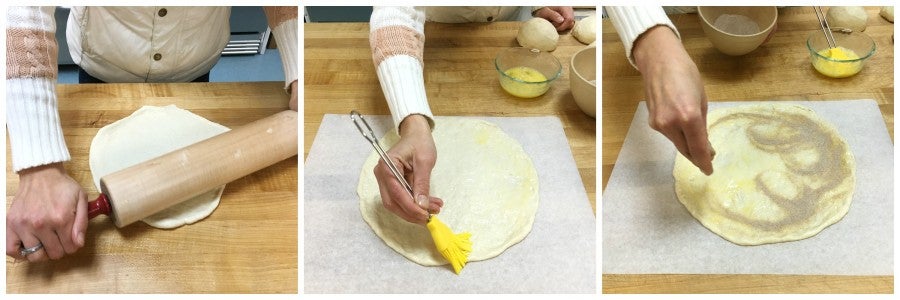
(249, 244)
(460, 80)
(778, 70)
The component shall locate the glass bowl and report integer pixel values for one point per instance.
(840, 63)
(526, 73)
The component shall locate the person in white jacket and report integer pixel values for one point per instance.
(47, 218)
(673, 88)
(397, 38)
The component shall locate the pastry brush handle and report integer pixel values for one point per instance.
(394, 170)
(367, 133)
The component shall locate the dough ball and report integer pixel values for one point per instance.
(539, 34)
(853, 17)
(887, 12)
(585, 30)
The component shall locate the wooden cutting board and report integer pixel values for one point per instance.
(249, 244)
(460, 80)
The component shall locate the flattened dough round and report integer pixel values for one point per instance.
(782, 174)
(488, 184)
(147, 133)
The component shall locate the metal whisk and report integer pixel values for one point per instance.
(829, 38)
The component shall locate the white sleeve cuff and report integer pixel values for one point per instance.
(404, 88)
(632, 21)
(32, 121)
(286, 37)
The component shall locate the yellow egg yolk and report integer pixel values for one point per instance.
(837, 69)
(524, 82)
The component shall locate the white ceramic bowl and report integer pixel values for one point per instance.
(738, 44)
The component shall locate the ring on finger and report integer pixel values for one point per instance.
(26, 251)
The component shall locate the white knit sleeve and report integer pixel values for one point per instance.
(632, 21)
(397, 39)
(283, 21)
(32, 119)
(286, 37)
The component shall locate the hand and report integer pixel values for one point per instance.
(50, 208)
(293, 103)
(415, 156)
(675, 96)
(562, 17)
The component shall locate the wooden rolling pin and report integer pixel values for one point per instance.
(139, 191)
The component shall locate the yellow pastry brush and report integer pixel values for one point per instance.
(453, 247)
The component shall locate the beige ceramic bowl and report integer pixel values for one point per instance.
(738, 44)
(582, 81)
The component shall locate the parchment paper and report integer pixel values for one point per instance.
(343, 255)
(647, 231)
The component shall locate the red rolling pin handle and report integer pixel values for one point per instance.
(100, 206)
